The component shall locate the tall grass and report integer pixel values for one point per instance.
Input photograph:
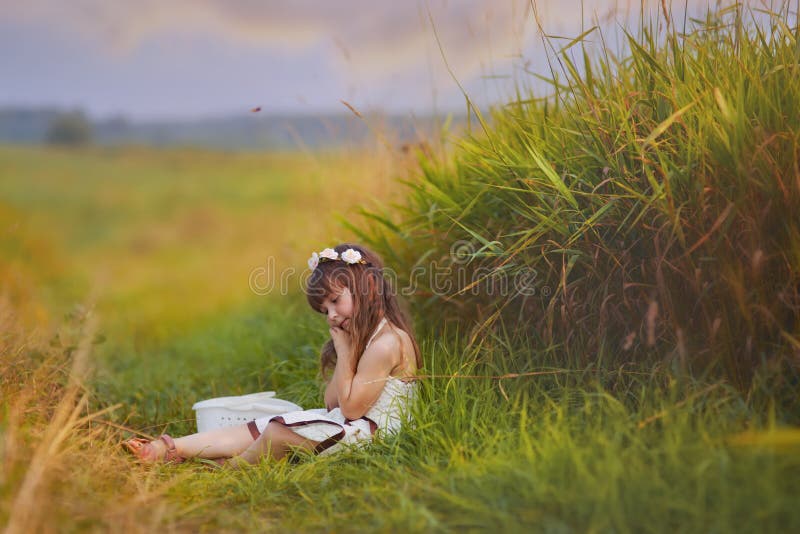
(61, 468)
(645, 207)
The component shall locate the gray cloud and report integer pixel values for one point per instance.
(370, 43)
(373, 38)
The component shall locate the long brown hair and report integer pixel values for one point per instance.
(373, 299)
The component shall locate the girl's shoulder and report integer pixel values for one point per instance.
(398, 344)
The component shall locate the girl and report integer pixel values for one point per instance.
(369, 363)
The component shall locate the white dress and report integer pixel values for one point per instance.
(332, 430)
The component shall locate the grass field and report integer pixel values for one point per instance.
(126, 297)
(160, 245)
(575, 450)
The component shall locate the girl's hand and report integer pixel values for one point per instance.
(342, 343)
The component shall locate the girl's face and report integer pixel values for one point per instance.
(338, 306)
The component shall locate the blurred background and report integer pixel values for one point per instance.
(165, 150)
(195, 73)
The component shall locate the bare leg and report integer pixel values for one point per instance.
(276, 441)
(236, 442)
(218, 443)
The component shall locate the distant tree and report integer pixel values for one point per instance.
(70, 129)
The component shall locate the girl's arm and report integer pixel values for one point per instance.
(331, 398)
(357, 387)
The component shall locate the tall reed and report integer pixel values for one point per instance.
(646, 208)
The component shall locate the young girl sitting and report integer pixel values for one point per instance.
(369, 363)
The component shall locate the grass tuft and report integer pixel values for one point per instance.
(640, 213)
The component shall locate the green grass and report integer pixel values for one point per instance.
(566, 452)
(269, 347)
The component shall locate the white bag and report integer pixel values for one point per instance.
(222, 412)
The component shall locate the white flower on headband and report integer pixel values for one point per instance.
(351, 256)
(313, 261)
(329, 254)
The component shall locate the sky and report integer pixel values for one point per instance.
(167, 59)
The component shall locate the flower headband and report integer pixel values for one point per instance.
(349, 256)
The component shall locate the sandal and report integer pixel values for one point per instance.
(143, 450)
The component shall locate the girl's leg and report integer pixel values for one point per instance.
(276, 441)
(218, 443)
(235, 442)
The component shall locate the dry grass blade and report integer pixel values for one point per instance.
(714, 227)
(661, 128)
(349, 106)
(24, 512)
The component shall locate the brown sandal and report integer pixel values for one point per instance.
(143, 450)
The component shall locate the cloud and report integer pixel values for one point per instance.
(376, 33)
(369, 41)
(375, 38)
